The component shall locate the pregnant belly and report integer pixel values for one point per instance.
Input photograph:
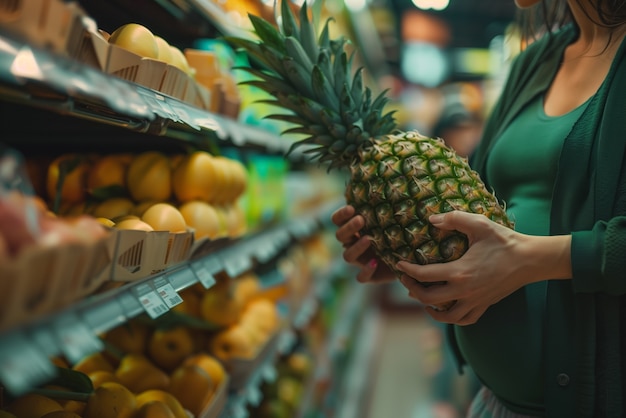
(504, 348)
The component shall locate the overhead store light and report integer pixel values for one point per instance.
(431, 4)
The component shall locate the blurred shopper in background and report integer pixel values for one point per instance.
(540, 312)
(459, 128)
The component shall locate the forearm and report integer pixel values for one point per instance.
(548, 257)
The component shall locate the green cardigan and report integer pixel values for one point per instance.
(586, 316)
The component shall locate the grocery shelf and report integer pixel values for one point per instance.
(26, 349)
(41, 79)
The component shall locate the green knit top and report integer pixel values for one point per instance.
(584, 371)
(505, 346)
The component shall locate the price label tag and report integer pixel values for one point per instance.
(203, 275)
(150, 300)
(269, 373)
(167, 292)
(22, 365)
(286, 341)
(236, 265)
(213, 265)
(254, 395)
(239, 411)
(307, 310)
(75, 340)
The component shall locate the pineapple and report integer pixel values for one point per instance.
(397, 179)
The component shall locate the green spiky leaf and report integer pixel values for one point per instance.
(268, 33)
(289, 26)
(308, 38)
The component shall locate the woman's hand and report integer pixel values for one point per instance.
(498, 262)
(357, 249)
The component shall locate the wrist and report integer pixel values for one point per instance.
(550, 257)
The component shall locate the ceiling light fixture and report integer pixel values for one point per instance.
(431, 4)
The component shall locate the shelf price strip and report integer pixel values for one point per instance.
(206, 269)
(150, 300)
(167, 292)
(74, 338)
(236, 265)
(22, 365)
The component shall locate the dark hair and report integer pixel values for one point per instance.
(551, 15)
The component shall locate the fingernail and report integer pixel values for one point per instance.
(373, 263)
(436, 219)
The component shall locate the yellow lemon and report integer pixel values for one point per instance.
(135, 38)
(164, 52)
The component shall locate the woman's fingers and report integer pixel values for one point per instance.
(355, 252)
(343, 214)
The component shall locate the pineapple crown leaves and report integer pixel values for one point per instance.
(310, 76)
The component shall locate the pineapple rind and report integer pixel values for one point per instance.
(402, 179)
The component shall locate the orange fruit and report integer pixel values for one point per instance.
(190, 304)
(149, 177)
(100, 376)
(247, 287)
(133, 223)
(74, 183)
(219, 306)
(167, 398)
(209, 364)
(168, 347)
(129, 337)
(186, 377)
(92, 363)
(32, 405)
(195, 178)
(141, 207)
(164, 217)
(106, 171)
(113, 208)
(138, 373)
(110, 400)
(203, 218)
(154, 409)
(232, 342)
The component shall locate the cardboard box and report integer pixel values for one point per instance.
(125, 64)
(138, 254)
(175, 82)
(45, 279)
(215, 408)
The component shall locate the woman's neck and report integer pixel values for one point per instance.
(594, 37)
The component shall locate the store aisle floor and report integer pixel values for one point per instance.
(411, 374)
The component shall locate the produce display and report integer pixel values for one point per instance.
(175, 364)
(148, 191)
(61, 244)
(397, 179)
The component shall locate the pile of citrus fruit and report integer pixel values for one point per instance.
(148, 191)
